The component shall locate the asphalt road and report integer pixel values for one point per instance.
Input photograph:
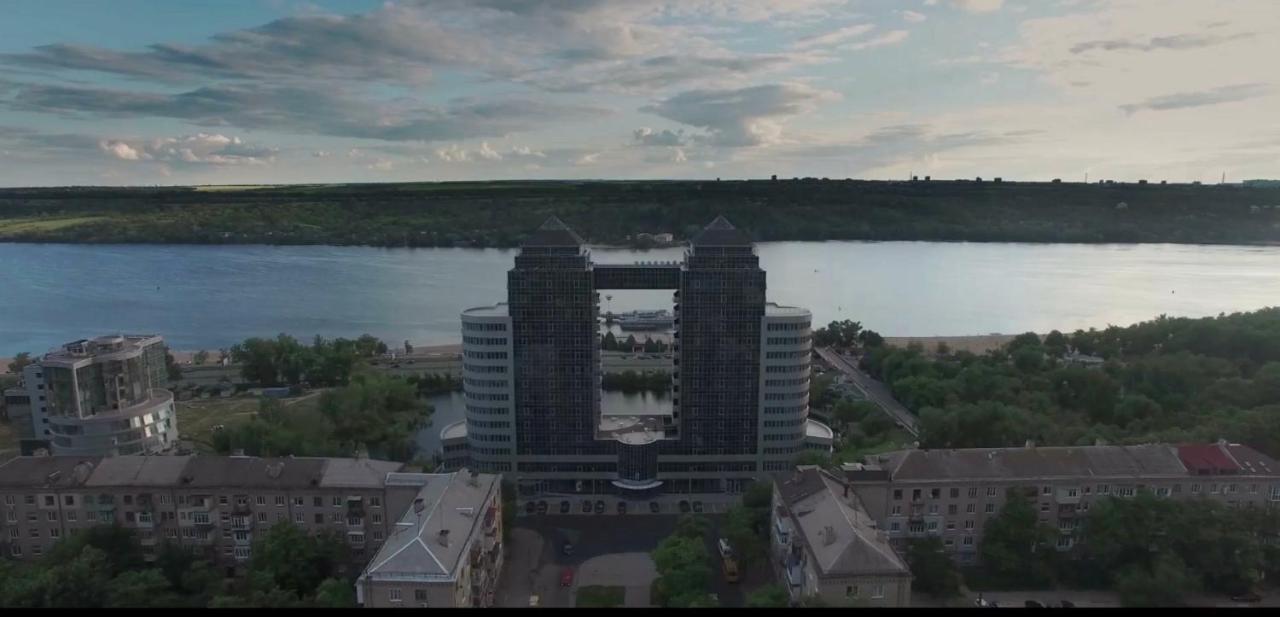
(875, 391)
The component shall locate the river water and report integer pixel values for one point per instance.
(212, 296)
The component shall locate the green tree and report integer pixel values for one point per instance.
(19, 361)
(692, 526)
(769, 596)
(117, 544)
(1016, 548)
(1055, 344)
(742, 530)
(200, 357)
(375, 411)
(683, 570)
(1163, 584)
(171, 368)
(142, 589)
(257, 360)
(932, 569)
(870, 339)
(335, 593)
(81, 582)
(290, 559)
(814, 457)
(609, 342)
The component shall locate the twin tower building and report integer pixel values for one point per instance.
(739, 396)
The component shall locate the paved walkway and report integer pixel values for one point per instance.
(875, 391)
(633, 571)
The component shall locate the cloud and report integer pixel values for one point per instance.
(1175, 42)
(590, 158)
(893, 37)
(194, 150)
(833, 37)
(978, 6)
(457, 153)
(913, 17)
(298, 110)
(740, 117)
(1184, 100)
(646, 136)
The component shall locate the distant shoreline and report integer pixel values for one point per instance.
(979, 343)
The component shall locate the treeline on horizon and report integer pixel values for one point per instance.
(501, 214)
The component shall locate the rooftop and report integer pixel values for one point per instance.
(497, 310)
(817, 430)
(100, 347)
(447, 503)
(776, 310)
(138, 471)
(1032, 462)
(553, 233)
(721, 233)
(456, 430)
(357, 472)
(46, 471)
(838, 532)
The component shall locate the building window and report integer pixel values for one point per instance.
(51, 516)
(1044, 507)
(262, 500)
(1195, 488)
(935, 493)
(968, 524)
(894, 526)
(877, 591)
(955, 493)
(1064, 542)
(164, 499)
(377, 535)
(394, 594)
(968, 540)
(1073, 492)
(973, 492)
(851, 591)
(298, 501)
(952, 509)
(262, 517)
(1253, 488)
(933, 525)
(897, 510)
(1231, 488)
(991, 507)
(377, 519)
(951, 525)
(297, 518)
(317, 501)
(375, 502)
(1104, 489)
(897, 493)
(8, 500)
(15, 550)
(222, 499)
(70, 500)
(319, 518)
(337, 501)
(71, 516)
(1213, 489)
(971, 508)
(279, 501)
(933, 508)
(49, 501)
(29, 500)
(420, 596)
(991, 491)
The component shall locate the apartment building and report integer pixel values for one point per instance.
(953, 493)
(102, 397)
(212, 503)
(445, 550)
(531, 375)
(824, 544)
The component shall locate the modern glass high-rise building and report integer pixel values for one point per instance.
(739, 366)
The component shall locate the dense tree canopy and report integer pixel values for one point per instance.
(285, 361)
(1169, 379)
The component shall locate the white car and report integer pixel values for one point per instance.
(726, 551)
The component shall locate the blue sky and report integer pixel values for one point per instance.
(275, 91)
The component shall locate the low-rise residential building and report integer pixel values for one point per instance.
(102, 397)
(445, 550)
(215, 504)
(824, 544)
(953, 493)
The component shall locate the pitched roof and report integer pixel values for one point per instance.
(357, 472)
(138, 471)
(1251, 461)
(46, 471)
(1034, 462)
(252, 472)
(721, 233)
(1207, 458)
(836, 530)
(449, 503)
(553, 233)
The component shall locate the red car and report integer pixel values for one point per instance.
(566, 577)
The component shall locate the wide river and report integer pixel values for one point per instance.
(212, 296)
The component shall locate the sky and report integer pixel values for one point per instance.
(133, 92)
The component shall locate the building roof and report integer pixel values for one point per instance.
(1033, 462)
(721, 233)
(252, 472)
(138, 471)
(553, 233)
(357, 472)
(1251, 461)
(450, 503)
(835, 528)
(46, 471)
(1207, 459)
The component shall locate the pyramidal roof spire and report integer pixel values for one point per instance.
(721, 233)
(554, 233)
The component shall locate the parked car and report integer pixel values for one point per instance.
(1247, 597)
(1068, 604)
(622, 507)
(565, 507)
(654, 508)
(566, 548)
(697, 506)
(599, 506)
(726, 551)
(1032, 604)
(533, 600)
(566, 577)
(586, 506)
(542, 507)
(684, 507)
(730, 571)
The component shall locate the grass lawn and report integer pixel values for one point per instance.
(16, 226)
(196, 418)
(893, 440)
(600, 596)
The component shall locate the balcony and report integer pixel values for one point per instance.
(1063, 497)
(241, 508)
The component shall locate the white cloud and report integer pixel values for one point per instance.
(833, 37)
(741, 117)
(121, 150)
(198, 149)
(591, 158)
(978, 6)
(893, 37)
(320, 154)
(913, 17)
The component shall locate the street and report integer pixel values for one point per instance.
(875, 391)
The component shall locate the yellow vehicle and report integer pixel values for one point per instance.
(730, 571)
